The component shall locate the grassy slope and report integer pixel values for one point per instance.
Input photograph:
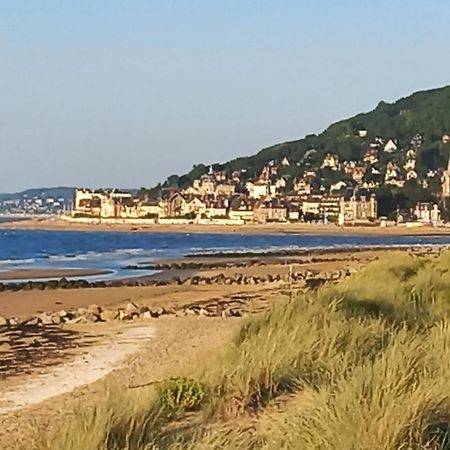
(361, 365)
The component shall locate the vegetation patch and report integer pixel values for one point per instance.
(361, 365)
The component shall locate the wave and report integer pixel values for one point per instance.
(5, 262)
(91, 254)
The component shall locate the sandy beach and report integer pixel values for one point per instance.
(273, 228)
(25, 303)
(36, 360)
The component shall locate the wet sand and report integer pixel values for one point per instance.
(287, 228)
(26, 303)
(33, 274)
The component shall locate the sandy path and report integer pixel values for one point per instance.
(87, 368)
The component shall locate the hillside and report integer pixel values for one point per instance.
(54, 200)
(55, 192)
(415, 123)
(426, 112)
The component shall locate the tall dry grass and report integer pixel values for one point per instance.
(364, 364)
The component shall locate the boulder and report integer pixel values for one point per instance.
(123, 315)
(76, 320)
(92, 317)
(109, 314)
(45, 319)
(3, 322)
(94, 309)
(56, 319)
(204, 312)
(132, 308)
(31, 322)
(159, 311)
(52, 284)
(64, 314)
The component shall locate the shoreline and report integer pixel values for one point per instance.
(24, 275)
(175, 286)
(282, 228)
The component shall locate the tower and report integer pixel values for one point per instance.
(445, 185)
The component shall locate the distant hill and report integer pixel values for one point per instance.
(55, 192)
(425, 112)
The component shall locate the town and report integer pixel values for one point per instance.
(274, 195)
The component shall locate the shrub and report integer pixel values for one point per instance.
(181, 394)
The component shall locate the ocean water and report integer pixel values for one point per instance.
(20, 249)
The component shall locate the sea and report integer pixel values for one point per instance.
(113, 251)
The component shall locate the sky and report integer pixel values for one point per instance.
(125, 93)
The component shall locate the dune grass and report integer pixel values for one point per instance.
(364, 364)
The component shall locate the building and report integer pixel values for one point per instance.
(445, 182)
(391, 146)
(217, 208)
(320, 207)
(331, 161)
(241, 210)
(270, 210)
(357, 208)
(100, 203)
(427, 212)
(225, 189)
(259, 189)
(175, 205)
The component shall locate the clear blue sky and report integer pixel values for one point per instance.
(105, 93)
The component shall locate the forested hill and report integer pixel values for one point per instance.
(426, 113)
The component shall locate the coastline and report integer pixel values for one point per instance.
(158, 290)
(38, 274)
(273, 228)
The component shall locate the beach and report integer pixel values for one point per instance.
(133, 353)
(268, 228)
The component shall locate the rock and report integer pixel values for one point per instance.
(148, 315)
(204, 312)
(190, 312)
(226, 313)
(66, 315)
(132, 308)
(63, 283)
(3, 322)
(92, 317)
(37, 285)
(94, 309)
(31, 322)
(52, 284)
(76, 320)
(159, 311)
(56, 319)
(13, 321)
(45, 319)
(109, 314)
(123, 315)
